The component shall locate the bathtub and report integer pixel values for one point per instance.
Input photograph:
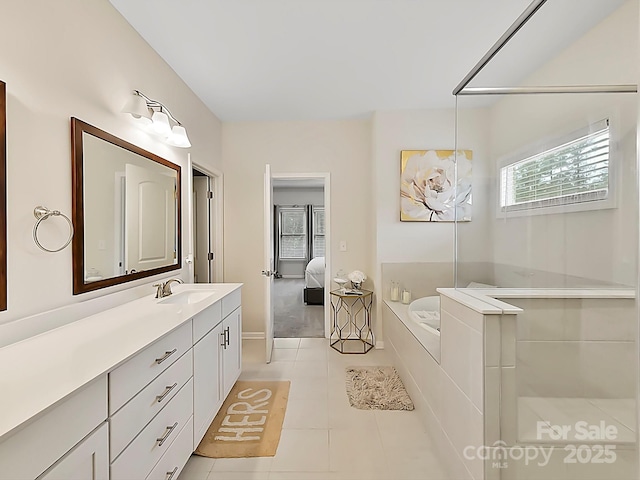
(425, 312)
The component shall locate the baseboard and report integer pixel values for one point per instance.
(292, 276)
(253, 336)
(379, 344)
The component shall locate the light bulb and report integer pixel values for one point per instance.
(137, 107)
(178, 137)
(161, 124)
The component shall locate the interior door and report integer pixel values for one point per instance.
(150, 207)
(268, 259)
(201, 229)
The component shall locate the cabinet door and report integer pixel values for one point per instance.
(232, 353)
(207, 394)
(88, 460)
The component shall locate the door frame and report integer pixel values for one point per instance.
(216, 179)
(326, 177)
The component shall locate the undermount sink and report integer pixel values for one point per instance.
(187, 297)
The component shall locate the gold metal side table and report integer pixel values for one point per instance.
(351, 325)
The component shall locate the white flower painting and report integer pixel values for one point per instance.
(428, 190)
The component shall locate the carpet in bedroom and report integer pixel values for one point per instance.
(292, 317)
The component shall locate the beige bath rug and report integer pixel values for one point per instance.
(377, 388)
(249, 422)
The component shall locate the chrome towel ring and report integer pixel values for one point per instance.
(42, 213)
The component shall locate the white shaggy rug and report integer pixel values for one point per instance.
(377, 388)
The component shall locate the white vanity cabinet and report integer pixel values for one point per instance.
(207, 388)
(232, 349)
(57, 441)
(117, 408)
(132, 376)
(217, 359)
(151, 402)
(87, 461)
(174, 460)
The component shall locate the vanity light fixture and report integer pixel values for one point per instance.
(157, 118)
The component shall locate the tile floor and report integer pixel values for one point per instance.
(617, 412)
(323, 437)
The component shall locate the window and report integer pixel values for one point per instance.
(293, 233)
(318, 232)
(576, 171)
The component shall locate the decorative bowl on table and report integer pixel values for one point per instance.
(357, 277)
(341, 280)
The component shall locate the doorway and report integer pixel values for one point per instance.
(207, 221)
(300, 256)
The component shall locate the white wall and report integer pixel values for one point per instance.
(413, 130)
(76, 58)
(414, 242)
(341, 148)
(596, 244)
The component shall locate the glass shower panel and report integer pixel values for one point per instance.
(554, 231)
(554, 191)
(554, 227)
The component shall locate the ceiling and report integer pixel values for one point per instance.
(256, 60)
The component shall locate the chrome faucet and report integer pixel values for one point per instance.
(164, 289)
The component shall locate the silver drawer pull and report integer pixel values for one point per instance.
(166, 392)
(227, 335)
(163, 439)
(165, 356)
(171, 473)
(224, 340)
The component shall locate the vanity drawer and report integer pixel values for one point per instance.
(206, 320)
(139, 458)
(174, 459)
(133, 375)
(132, 418)
(231, 302)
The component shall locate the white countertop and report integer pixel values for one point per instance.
(476, 303)
(39, 372)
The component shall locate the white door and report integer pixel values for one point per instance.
(268, 259)
(201, 229)
(150, 208)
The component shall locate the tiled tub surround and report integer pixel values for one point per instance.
(449, 394)
(559, 360)
(428, 340)
(514, 276)
(422, 280)
(55, 384)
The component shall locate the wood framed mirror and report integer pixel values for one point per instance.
(126, 210)
(3, 196)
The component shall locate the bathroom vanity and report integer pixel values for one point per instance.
(127, 393)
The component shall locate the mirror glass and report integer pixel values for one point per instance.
(126, 211)
(3, 197)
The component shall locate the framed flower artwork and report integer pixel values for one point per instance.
(428, 189)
